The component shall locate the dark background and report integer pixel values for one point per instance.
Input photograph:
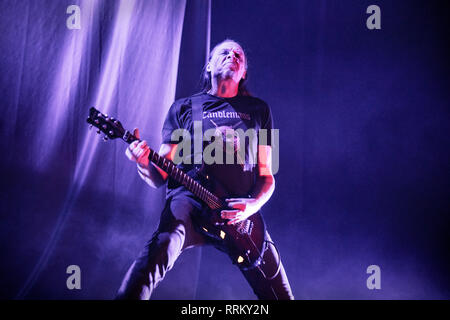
(363, 176)
(363, 118)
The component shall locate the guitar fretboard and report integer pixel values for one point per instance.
(181, 177)
(114, 129)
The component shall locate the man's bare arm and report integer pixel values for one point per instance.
(138, 151)
(242, 208)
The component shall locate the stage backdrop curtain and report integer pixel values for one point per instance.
(67, 197)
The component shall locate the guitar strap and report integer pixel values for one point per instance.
(197, 125)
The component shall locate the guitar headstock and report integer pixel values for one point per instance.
(112, 128)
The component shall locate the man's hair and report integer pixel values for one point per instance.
(206, 76)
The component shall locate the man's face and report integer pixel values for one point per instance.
(228, 62)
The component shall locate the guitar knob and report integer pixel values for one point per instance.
(105, 138)
(98, 131)
(111, 133)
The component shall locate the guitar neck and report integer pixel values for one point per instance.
(179, 175)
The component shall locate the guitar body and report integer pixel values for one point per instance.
(244, 242)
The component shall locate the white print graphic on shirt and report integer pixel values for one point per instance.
(213, 152)
(230, 137)
(226, 115)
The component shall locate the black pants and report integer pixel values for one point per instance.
(175, 234)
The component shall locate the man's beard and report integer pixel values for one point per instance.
(226, 74)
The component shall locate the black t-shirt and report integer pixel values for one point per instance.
(222, 115)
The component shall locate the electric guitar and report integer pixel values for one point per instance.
(244, 241)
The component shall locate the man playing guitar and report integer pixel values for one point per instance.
(225, 105)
